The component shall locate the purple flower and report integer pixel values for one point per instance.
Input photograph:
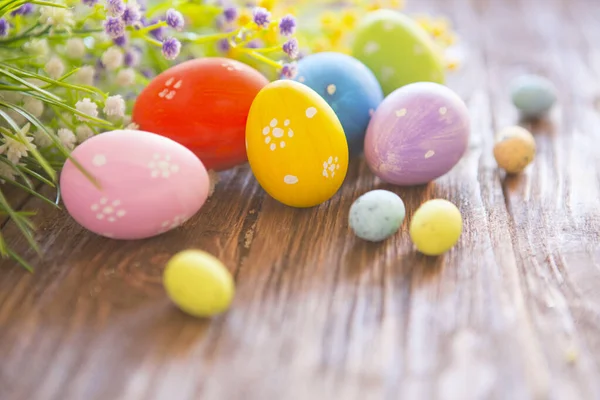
(171, 48)
(174, 19)
(132, 14)
(255, 44)
(261, 16)
(223, 45)
(291, 48)
(4, 27)
(114, 27)
(148, 73)
(25, 9)
(158, 33)
(120, 41)
(132, 58)
(287, 25)
(230, 14)
(116, 8)
(289, 70)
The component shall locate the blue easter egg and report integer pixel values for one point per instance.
(376, 215)
(348, 86)
(533, 95)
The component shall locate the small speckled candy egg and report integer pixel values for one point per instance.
(148, 184)
(202, 104)
(296, 145)
(348, 86)
(376, 215)
(417, 134)
(514, 149)
(397, 50)
(436, 227)
(533, 95)
(198, 283)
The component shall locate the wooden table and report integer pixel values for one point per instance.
(513, 312)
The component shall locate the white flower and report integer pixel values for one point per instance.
(87, 107)
(83, 132)
(114, 106)
(112, 58)
(14, 149)
(41, 139)
(85, 75)
(59, 18)
(55, 67)
(126, 77)
(67, 138)
(75, 48)
(34, 106)
(7, 172)
(133, 126)
(37, 47)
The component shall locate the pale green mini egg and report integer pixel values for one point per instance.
(533, 95)
(397, 50)
(376, 215)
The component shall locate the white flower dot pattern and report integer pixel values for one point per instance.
(330, 166)
(107, 210)
(275, 136)
(173, 223)
(162, 166)
(170, 89)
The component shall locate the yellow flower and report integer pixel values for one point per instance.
(268, 4)
(335, 36)
(397, 4)
(244, 18)
(321, 45)
(375, 5)
(328, 20)
(272, 35)
(349, 19)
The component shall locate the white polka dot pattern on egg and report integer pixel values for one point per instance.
(311, 112)
(99, 160)
(401, 112)
(330, 166)
(106, 210)
(161, 166)
(371, 47)
(290, 179)
(274, 135)
(174, 223)
(167, 93)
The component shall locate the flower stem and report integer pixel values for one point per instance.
(262, 58)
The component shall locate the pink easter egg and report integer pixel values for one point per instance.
(418, 133)
(149, 184)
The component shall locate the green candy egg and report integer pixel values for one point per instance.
(397, 50)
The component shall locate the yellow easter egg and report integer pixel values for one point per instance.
(198, 283)
(296, 145)
(436, 227)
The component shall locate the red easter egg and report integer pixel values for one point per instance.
(202, 104)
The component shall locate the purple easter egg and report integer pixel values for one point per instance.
(418, 133)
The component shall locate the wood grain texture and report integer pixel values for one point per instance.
(513, 312)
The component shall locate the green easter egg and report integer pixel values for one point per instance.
(397, 50)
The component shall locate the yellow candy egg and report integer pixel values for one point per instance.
(198, 283)
(514, 149)
(436, 227)
(296, 145)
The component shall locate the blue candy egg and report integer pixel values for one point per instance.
(533, 95)
(349, 87)
(376, 215)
